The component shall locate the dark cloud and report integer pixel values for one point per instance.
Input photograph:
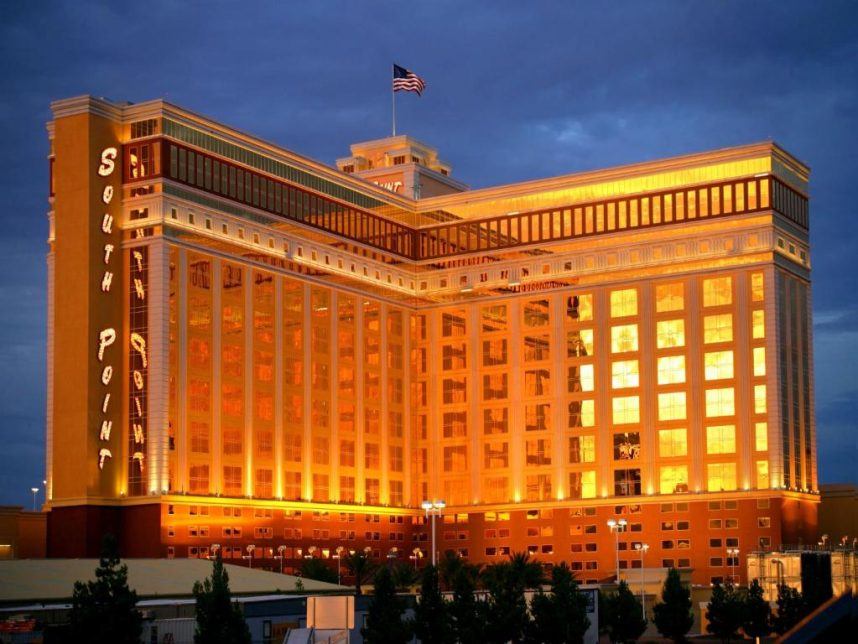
(516, 91)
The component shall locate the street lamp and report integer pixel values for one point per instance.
(733, 555)
(249, 555)
(310, 552)
(392, 554)
(35, 491)
(338, 556)
(214, 548)
(280, 556)
(434, 508)
(416, 555)
(642, 548)
(616, 527)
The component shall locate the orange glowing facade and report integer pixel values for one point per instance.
(247, 347)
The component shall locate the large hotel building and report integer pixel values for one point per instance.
(249, 347)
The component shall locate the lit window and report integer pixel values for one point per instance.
(671, 406)
(624, 338)
(762, 474)
(580, 378)
(761, 437)
(721, 439)
(582, 485)
(626, 410)
(582, 413)
(579, 308)
(579, 343)
(582, 449)
(672, 442)
(759, 361)
(720, 402)
(669, 334)
(718, 365)
(669, 297)
(624, 303)
(759, 399)
(718, 328)
(673, 479)
(757, 292)
(671, 370)
(718, 291)
(721, 476)
(624, 373)
(759, 324)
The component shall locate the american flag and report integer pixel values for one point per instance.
(407, 81)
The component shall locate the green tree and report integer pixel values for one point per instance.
(559, 616)
(104, 610)
(725, 612)
(431, 623)
(506, 609)
(791, 609)
(528, 571)
(360, 567)
(404, 576)
(623, 620)
(219, 620)
(448, 567)
(317, 569)
(384, 623)
(467, 615)
(673, 615)
(758, 614)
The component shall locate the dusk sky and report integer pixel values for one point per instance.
(516, 91)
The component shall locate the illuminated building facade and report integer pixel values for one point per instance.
(247, 347)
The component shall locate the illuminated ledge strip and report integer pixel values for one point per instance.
(262, 239)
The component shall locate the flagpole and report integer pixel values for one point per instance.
(393, 102)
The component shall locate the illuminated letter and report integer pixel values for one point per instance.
(107, 224)
(138, 288)
(138, 433)
(108, 162)
(107, 195)
(105, 339)
(138, 379)
(103, 455)
(108, 248)
(138, 456)
(106, 375)
(138, 258)
(138, 406)
(106, 281)
(139, 345)
(106, 426)
(105, 403)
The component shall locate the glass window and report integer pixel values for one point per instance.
(671, 406)
(673, 479)
(582, 449)
(718, 328)
(579, 343)
(718, 365)
(759, 361)
(759, 399)
(627, 446)
(625, 373)
(580, 378)
(494, 318)
(669, 334)
(494, 352)
(718, 291)
(582, 485)
(624, 303)
(721, 476)
(757, 291)
(624, 338)
(672, 442)
(537, 347)
(762, 474)
(582, 413)
(761, 437)
(579, 308)
(720, 402)
(627, 482)
(669, 297)
(671, 370)
(758, 324)
(536, 313)
(721, 439)
(626, 410)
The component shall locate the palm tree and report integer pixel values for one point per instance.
(527, 571)
(360, 567)
(404, 576)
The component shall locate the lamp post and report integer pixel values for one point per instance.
(642, 548)
(249, 555)
(281, 556)
(35, 491)
(214, 548)
(416, 555)
(392, 554)
(733, 554)
(616, 527)
(434, 508)
(338, 555)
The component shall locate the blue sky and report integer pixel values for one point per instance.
(516, 91)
